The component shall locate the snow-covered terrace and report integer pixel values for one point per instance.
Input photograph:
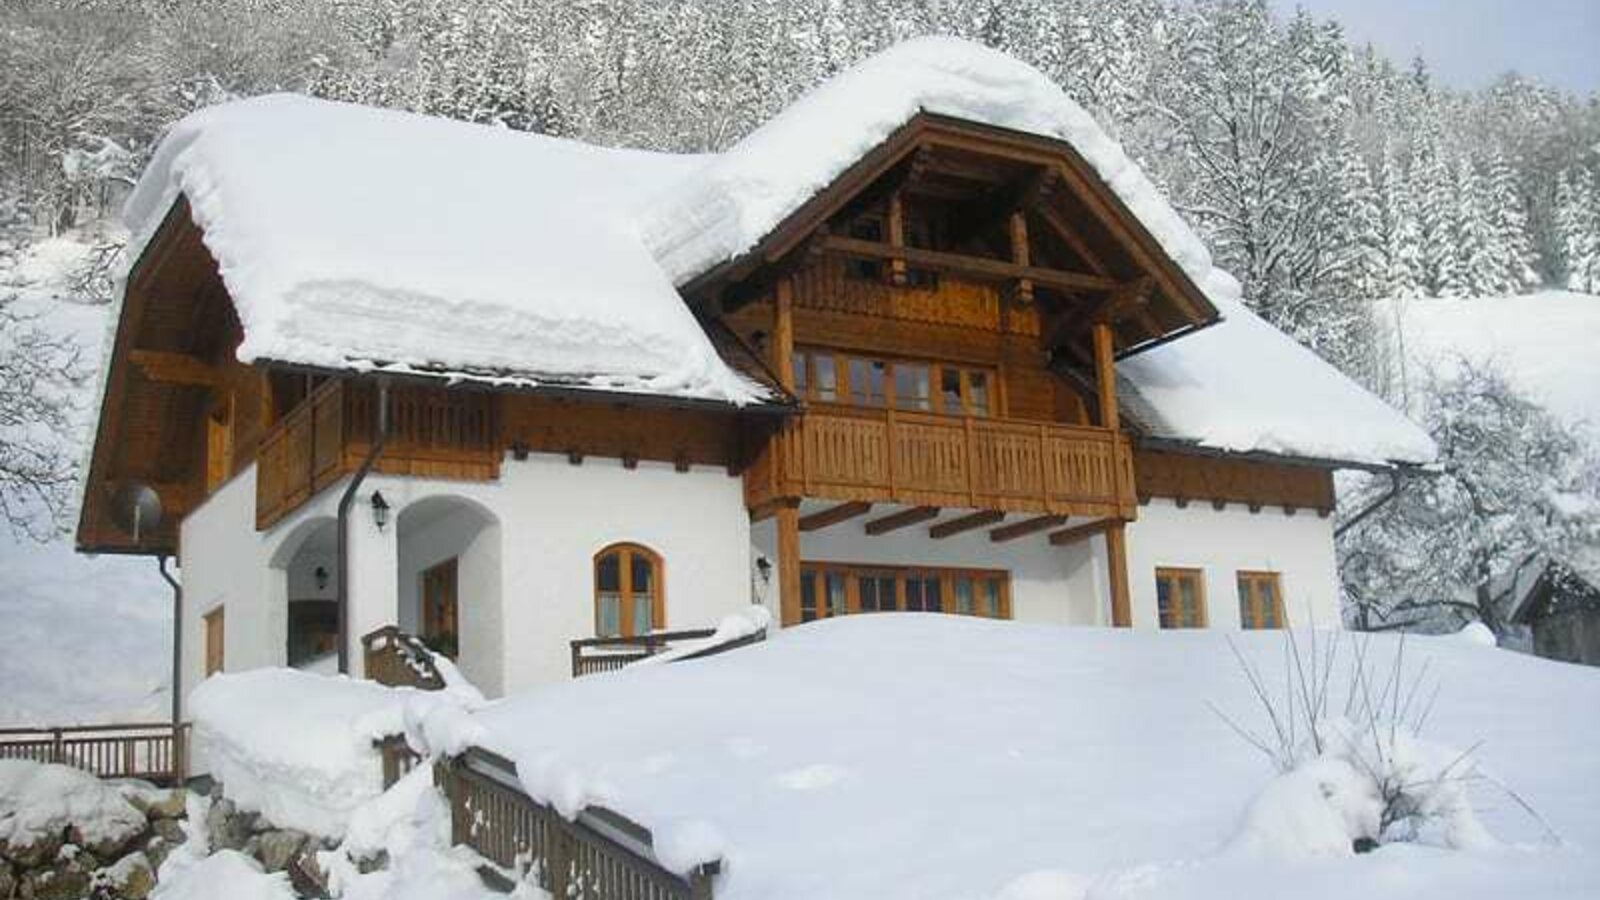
(358, 238)
(942, 757)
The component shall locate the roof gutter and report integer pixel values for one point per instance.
(1178, 445)
(552, 391)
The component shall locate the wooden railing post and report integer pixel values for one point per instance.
(58, 750)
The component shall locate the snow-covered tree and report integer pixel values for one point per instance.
(1578, 228)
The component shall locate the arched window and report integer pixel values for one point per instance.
(628, 599)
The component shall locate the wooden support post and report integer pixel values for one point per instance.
(1105, 376)
(897, 239)
(783, 332)
(788, 522)
(1117, 564)
(1020, 254)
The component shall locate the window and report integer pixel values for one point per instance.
(834, 589)
(627, 591)
(215, 630)
(827, 376)
(1260, 600)
(1180, 598)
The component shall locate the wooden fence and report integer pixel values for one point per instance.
(600, 855)
(157, 753)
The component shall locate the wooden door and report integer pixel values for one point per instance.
(439, 622)
(215, 631)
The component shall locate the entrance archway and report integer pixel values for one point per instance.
(450, 582)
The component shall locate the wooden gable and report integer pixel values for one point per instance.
(1022, 215)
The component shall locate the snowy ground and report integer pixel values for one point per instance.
(1543, 342)
(932, 757)
(87, 639)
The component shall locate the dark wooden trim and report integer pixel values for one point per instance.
(971, 266)
(967, 522)
(833, 515)
(175, 368)
(902, 519)
(1025, 527)
(1079, 532)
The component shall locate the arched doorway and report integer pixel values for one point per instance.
(309, 563)
(449, 582)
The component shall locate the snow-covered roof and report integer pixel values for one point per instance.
(1243, 386)
(353, 237)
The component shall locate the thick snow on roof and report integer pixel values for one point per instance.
(727, 206)
(1543, 343)
(350, 236)
(927, 756)
(1243, 386)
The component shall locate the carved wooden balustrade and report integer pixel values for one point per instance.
(432, 433)
(923, 459)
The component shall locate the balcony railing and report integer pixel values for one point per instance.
(152, 752)
(432, 432)
(923, 459)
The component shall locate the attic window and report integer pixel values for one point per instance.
(867, 229)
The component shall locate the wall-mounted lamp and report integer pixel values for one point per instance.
(380, 510)
(320, 576)
(764, 566)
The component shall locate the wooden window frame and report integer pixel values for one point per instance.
(214, 628)
(1249, 582)
(945, 575)
(1174, 575)
(658, 593)
(805, 357)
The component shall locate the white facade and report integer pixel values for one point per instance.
(524, 547)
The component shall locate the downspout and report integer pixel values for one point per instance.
(380, 435)
(177, 641)
(1394, 489)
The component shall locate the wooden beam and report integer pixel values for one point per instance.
(1117, 563)
(979, 267)
(1130, 297)
(896, 226)
(967, 522)
(788, 521)
(1079, 532)
(1021, 254)
(902, 519)
(782, 340)
(1025, 527)
(1105, 376)
(833, 515)
(175, 368)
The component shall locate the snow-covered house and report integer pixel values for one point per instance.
(927, 340)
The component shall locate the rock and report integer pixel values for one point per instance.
(227, 827)
(43, 849)
(108, 847)
(278, 848)
(169, 830)
(369, 864)
(306, 874)
(63, 881)
(132, 878)
(8, 881)
(172, 805)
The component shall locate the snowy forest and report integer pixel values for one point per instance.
(1325, 176)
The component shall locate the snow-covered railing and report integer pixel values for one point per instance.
(599, 854)
(398, 659)
(153, 752)
(607, 654)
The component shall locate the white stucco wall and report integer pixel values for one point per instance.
(549, 519)
(1223, 542)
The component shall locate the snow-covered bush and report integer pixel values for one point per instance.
(1353, 776)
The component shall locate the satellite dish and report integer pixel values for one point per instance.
(136, 508)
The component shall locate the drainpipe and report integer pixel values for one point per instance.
(380, 434)
(1393, 491)
(177, 643)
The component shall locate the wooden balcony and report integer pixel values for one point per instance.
(432, 433)
(922, 459)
